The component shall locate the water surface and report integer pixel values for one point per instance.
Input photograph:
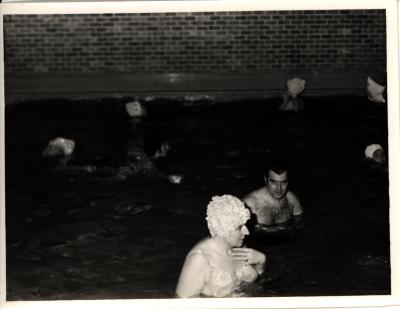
(87, 231)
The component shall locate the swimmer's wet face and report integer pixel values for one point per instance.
(277, 184)
(379, 156)
(236, 237)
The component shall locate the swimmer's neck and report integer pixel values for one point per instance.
(221, 245)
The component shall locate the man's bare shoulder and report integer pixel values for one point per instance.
(294, 203)
(255, 198)
(256, 194)
(292, 198)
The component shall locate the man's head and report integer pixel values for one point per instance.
(276, 180)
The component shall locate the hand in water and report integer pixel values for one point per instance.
(247, 255)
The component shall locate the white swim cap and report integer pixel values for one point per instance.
(369, 151)
(225, 214)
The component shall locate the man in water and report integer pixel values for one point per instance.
(275, 207)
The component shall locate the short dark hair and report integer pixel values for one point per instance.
(276, 166)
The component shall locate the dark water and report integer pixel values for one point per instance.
(87, 231)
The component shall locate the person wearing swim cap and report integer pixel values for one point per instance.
(376, 157)
(220, 265)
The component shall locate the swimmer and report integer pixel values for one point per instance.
(274, 206)
(376, 156)
(220, 265)
(291, 100)
(59, 151)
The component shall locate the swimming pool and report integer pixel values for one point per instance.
(88, 231)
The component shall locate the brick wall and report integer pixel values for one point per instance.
(207, 42)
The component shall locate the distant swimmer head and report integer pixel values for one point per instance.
(376, 153)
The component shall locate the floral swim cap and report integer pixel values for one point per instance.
(224, 214)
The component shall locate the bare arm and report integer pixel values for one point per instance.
(298, 222)
(297, 211)
(193, 276)
(294, 203)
